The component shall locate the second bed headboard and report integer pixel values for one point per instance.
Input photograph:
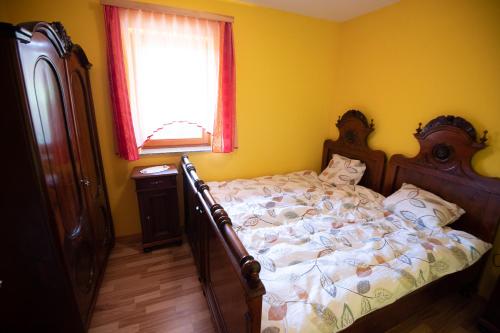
(352, 143)
(443, 167)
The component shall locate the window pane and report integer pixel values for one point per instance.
(172, 65)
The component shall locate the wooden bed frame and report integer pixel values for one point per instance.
(230, 276)
(353, 143)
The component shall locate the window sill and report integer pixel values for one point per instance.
(174, 150)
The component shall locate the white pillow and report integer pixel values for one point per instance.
(414, 204)
(343, 171)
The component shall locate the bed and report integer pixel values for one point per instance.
(339, 261)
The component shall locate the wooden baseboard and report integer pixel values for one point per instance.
(135, 238)
(177, 240)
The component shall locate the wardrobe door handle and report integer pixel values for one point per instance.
(85, 182)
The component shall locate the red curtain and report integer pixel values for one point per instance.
(224, 136)
(124, 130)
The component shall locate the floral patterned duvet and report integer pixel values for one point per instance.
(332, 254)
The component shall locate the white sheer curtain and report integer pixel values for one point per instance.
(172, 65)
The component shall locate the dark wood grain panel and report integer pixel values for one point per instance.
(90, 172)
(44, 73)
(57, 258)
(158, 206)
(352, 142)
(444, 166)
(159, 182)
(235, 306)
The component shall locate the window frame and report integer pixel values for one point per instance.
(205, 140)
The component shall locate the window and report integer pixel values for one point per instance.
(172, 65)
(179, 80)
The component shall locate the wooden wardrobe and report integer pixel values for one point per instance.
(56, 229)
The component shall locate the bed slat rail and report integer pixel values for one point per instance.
(219, 236)
(250, 267)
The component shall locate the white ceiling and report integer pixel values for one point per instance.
(336, 10)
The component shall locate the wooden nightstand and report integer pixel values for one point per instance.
(158, 206)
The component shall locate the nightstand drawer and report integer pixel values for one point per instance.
(155, 183)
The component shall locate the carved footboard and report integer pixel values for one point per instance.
(229, 275)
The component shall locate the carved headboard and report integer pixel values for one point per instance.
(352, 143)
(443, 166)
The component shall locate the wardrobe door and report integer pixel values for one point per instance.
(46, 87)
(89, 156)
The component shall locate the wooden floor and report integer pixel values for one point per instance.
(159, 292)
(150, 292)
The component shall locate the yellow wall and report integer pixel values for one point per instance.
(285, 73)
(4, 14)
(418, 59)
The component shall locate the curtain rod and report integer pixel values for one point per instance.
(167, 10)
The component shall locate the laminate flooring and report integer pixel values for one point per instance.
(159, 292)
(150, 292)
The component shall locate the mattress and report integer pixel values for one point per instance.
(331, 255)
